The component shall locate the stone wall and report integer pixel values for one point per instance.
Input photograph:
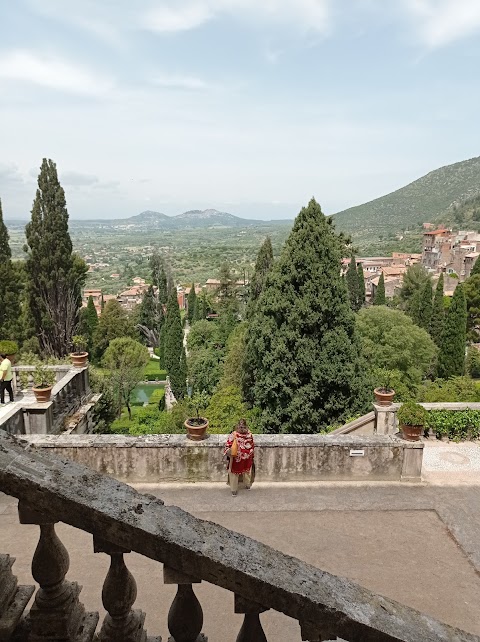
(173, 458)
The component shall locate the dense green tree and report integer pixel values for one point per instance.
(226, 291)
(191, 304)
(159, 277)
(476, 268)
(55, 275)
(150, 317)
(413, 280)
(361, 286)
(390, 340)
(92, 316)
(202, 335)
(114, 323)
(174, 352)
(10, 288)
(263, 265)
(451, 359)
(471, 288)
(302, 346)
(351, 279)
(380, 298)
(473, 362)
(126, 360)
(438, 312)
(235, 356)
(426, 306)
(204, 369)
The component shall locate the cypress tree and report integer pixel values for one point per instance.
(92, 316)
(159, 277)
(451, 358)
(55, 275)
(380, 298)
(438, 312)
(414, 306)
(174, 351)
(425, 307)
(191, 304)
(148, 310)
(10, 288)
(263, 265)
(352, 284)
(361, 286)
(476, 267)
(301, 346)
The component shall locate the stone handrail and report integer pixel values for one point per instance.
(122, 520)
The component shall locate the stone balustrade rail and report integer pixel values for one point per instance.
(50, 490)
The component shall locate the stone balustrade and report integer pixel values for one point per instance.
(121, 520)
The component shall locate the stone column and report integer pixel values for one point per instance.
(385, 419)
(252, 630)
(57, 613)
(185, 617)
(122, 624)
(13, 598)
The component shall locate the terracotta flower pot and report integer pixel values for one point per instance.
(79, 359)
(383, 397)
(42, 395)
(411, 433)
(196, 431)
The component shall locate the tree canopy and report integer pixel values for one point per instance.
(451, 359)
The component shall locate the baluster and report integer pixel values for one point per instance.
(185, 617)
(57, 613)
(122, 624)
(13, 598)
(252, 630)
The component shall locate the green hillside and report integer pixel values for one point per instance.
(435, 197)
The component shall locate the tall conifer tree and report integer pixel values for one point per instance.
(425, 306)
(476, 267)
(361, 286)
(438, 313)
(10, 288)
(191, 304)
(263, 265)
(55, 275)
(352, 284)
(302, 345)
(380, 298)
(174, 351)
(451, 358)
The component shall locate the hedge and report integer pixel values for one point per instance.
(457, 425)
(161, 375)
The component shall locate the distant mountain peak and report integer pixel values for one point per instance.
(205, 214)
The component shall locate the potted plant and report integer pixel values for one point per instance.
(197, 426)
(412, 417)
(79, 355)
(384, 393)
(43, 381)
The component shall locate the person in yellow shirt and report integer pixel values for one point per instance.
(6, 376)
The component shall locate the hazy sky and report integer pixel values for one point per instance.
(251, 106)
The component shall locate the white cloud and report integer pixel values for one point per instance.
(51, 72)
(309, 15)
(179, 81)
(440, 22)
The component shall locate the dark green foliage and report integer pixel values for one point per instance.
(473, 362)
(191, 304)
(351, 279)
(148, 310)
(204, 369)
(159, 277)
(471, 288)
(226, 291)
(263, 265)
(414, 306)
(457, 425)
(451, 359)
(476, 268)
(302, 348)
(425, 307)
(55, 275)
(412, 414)
(361, 286)
(226, 408)
(452, 390)
(10, 289)
(113, 323)
(413, 280)
(438, 312)
(92, 316)
(380, 298)
(175, 363)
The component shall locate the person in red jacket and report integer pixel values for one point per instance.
(239, 450)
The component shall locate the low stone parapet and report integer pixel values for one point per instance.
(173, 458)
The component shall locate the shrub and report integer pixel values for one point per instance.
(8, 347)
(455, 424)
(473, 362)
(225, 410)
(412, 414)
(451, 390)
(158, 398)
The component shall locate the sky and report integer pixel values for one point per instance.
(247, 106)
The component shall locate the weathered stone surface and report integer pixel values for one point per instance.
(102, 506)
(163, 458)
(13, 598)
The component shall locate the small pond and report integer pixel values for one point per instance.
(143, 392)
